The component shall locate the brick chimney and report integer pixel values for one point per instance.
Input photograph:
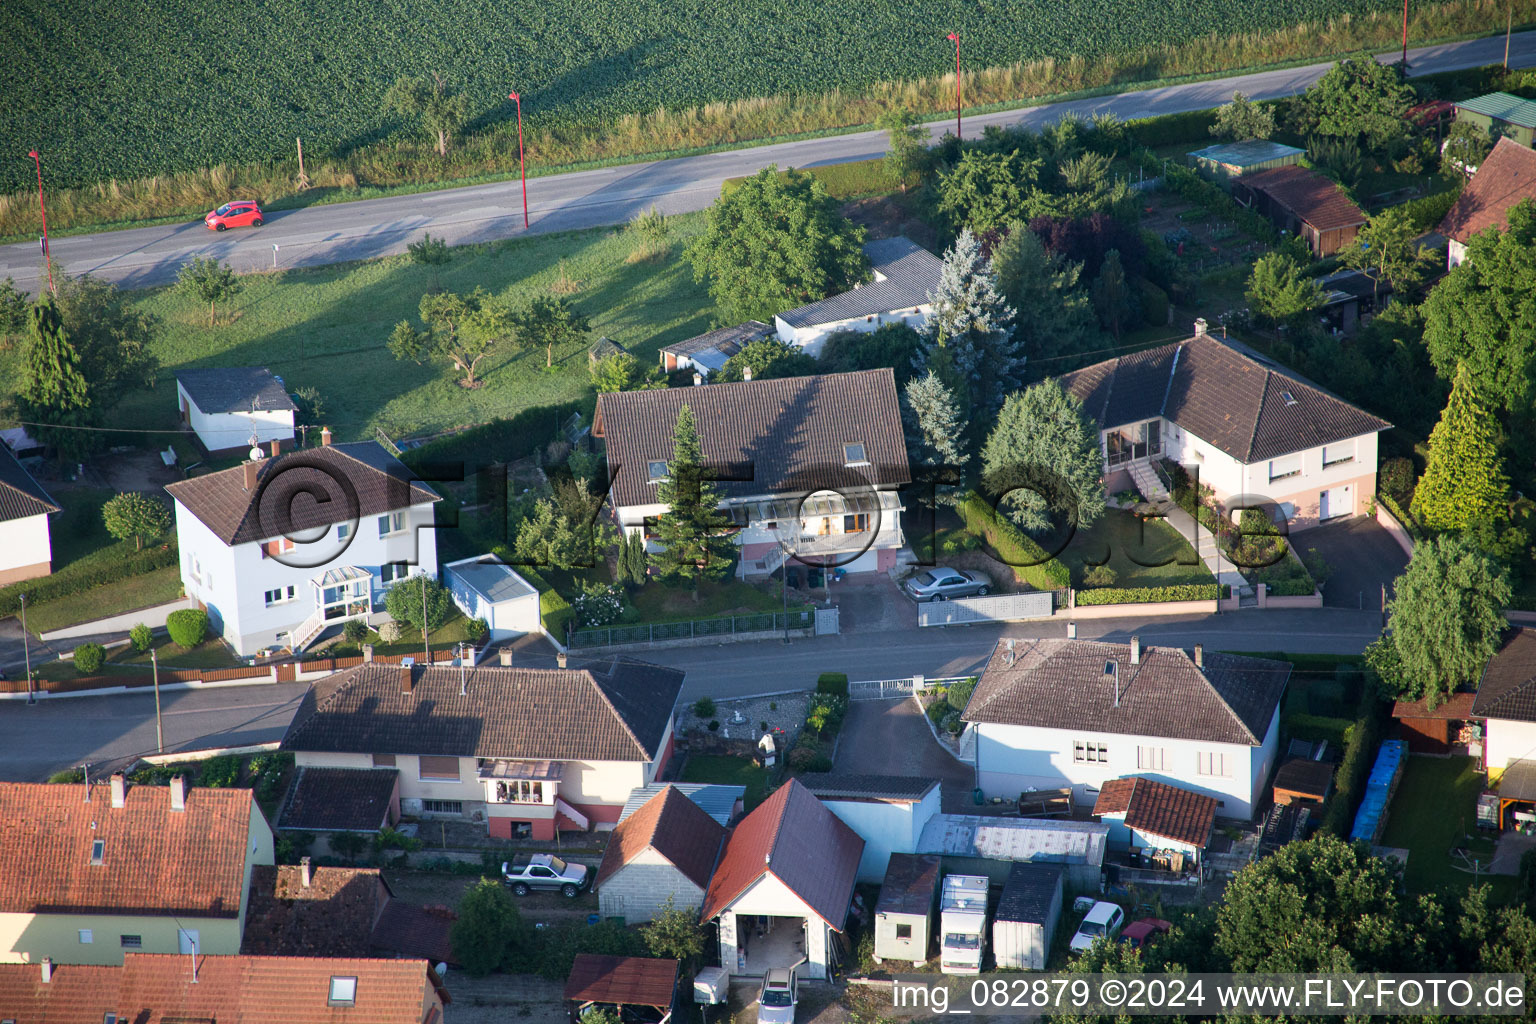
(252, 473)
(47, 969)
(561, 659)
(1199, 655)
(277, 447)
(506, 657)
(119, 789)
(1135, 650)
(325, 437)
(1200, 327)
(304, 872)
(179, 793)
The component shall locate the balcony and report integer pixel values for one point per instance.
(527, 783)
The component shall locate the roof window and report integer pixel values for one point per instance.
(658, 471)
(853, 454)
(98, 851)
(1290, 399)
(343, 991)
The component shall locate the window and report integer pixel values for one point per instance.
(1153, 759)
(390, 572)
(383, 760)
(390, 523)
(1090, 753)
(903, 931)
(282, 595)
(1288, 398)
(657, 471)
(442, 806)
(280, 546)
(343, 531)
(520, 791)
(98, 851)
(1213, 764)
(1337, 454)
(86, 937)
(444, 768)
(343, 991)
(1279, 469)
(856, 523)
(131, 941)
(853, 454)
(187, 941)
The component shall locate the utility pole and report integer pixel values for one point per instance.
(426, 645)
(1509, 23)
(26, 644)
(154, 665)
(1405, 35)
(303, 179)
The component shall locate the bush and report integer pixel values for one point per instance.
(1169, 129)
(1396, 480)
(72, 581)
(959, 694)
(355, 631)
(141, 637)
(825, 712)
(1028, 559)
(391, 632)
(1146, 595)
(1426, 213)
(1099, 576)
(559, 945)
(220, 772)
(89, 658)
(807, 759)
(834, 683)
(348, 845)
(714, 725)
(704, 707)
(1154, 304)
(477, 631)
(187, 627)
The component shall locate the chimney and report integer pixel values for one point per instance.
(407, 666)
(47, 969)
(1071, 631)
(325, 437)
(698, 379)
(1200, 326)
(746, 373)
(119, 789)
(506, 657)
(304, 873)
(367, 654)
(179, 793)
(560, 659)
(1199, 655)
(277, 447)
(252, 471)
(1135, 650)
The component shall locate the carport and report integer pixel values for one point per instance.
(635, 982)
(1517, 789)
(1363, 558)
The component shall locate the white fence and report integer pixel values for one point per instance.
(997, 608)
(886, 689)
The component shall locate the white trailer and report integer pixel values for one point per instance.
(962, 923)
(1027, 913)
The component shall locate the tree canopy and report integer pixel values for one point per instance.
(1389, 244)
(1280, 289)
(460, 329)
(404, 602)
(892, 345)
(210, 281)
(908, 143)
(623, 372)
(695, 538)
(437, 106)
(488, 930)
(547, 321)
(1060, 323)
(135, 515)
(935, 431)
(111, 336)
(768, 358)
(1464, 480)
(986, 190)
(565, 531)
(968, 339)
(54, 396)
(1358, 98)
(1042, 460)
(1242, 120)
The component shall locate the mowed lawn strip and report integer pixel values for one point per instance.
(1142, 553)
(1435, 811)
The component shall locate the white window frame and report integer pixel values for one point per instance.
(1213, 764)
(98, 852)
(393, 523)
(1278, 470)
(342, 991)
(651, 473)
(848, 454)
(1152, 759)
(266, 595)
(87, 936)
(391, 573)
(1341, 459)
(1090, 752)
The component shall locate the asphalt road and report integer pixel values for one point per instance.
(60, 732)
(612, 195)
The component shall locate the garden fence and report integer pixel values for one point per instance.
(724, 625)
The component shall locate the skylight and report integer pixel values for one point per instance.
(658, 471)
(343, 991)
(98, 851)
(1290, 399)
(853, 454)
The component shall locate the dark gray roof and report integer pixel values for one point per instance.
(494, 581)
(1229, 398)
(1062, 684)
(1508, 687)
(340, 799)
(1029, 892)
(911, 879)
(20, 496)
(906, 274)
(887, 788)
(235, 389)
(1344, 285)
(726, 340)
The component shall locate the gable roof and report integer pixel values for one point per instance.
(1229, 398)
(1316, 199)
(332, 916)
(782, 436)
(1504, 107)
(412, 930)
(340, 799)
(1508, 687)
(1062, 684)
(675, 827)
(154, 860)
(1504, 178)
(717, 800)
(796, 839)
(359, 479)
(1159, 809)
(900, 789)
(905, 275)
(609, 710)
(1029, 891)
(20, 496)
(1247, 152)
(225, 389)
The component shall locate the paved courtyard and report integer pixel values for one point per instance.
(891, 737)
(1363, 557)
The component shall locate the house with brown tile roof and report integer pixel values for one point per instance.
(1148, 815)
(1305, 203)
(1053, 713)
(26, 550)
(663, 852)
(1247, 426)
(1506, 177)
(302, 910)
(803, 464)
(526, 750)
(281, 550)
(1506, 700)
(93, 872)
(178, 989)
(783, 885)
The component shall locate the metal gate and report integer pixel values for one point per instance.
(826, 621)
(885, 689)
(1036, 604)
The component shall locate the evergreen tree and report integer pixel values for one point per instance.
(1061, 321)
(1111, 294)
(969, 337)
(1042, 459)
(54, 396)
(632, 559)
(934, 427)
(1464, 481)
(695, 543)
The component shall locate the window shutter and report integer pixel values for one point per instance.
(439, 767)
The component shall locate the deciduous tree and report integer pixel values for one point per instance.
(986, 190)
(969, 339)
(623, 372)
(437, 106)
(1464, 480)
(675, 933)
(112, 336)
(1042, 459)
(209, 280)
(1389, 244)
(1280, 289)
(548, 321)
(1060, 323)
(889, 345)
(460, 329)
(488, 930)
(768, 358)
(695, 538)
(907, 144)
(1242, 119)
(1358, 98)
(135, 515)
(565, 531)
(404, 602)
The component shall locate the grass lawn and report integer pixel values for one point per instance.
(146, 591)
(327, 328)
(659, 602)
(729, 771)
(1142, 554)
(1434, 811)
(209, 654)
(443, 637)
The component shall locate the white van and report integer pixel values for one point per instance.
(1104, 919)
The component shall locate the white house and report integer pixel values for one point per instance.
(783, 885)
(486, 588)
(664, 851)
(278, 551)
(1048, 714)
(808, 467)
(1148, 815)
(528, 751)
(887, 811)
(25, 549)
(1506, 699)
(1251, 429)
(1504, 179)
(905, 276)
(229, 408)
(708, 352)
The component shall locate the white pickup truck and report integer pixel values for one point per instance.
(962, 923)
(544, 871)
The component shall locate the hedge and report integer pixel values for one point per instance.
(1192, 126)
(1028, 559)
(1320, 727)
(1146, 595)
(1428, 212)
(67, 583)
(554, 610)
(1355, 770)
(834, 683)
(512, 438)
(1402, 516)
(1291, 588)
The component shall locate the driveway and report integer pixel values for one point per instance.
(871, 602)
(891, 737)
(1363, 556)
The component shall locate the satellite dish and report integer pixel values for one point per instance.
(257, 454)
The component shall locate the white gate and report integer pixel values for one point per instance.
(1036, 604)
(826, 621)
(886, 689)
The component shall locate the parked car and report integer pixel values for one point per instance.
(777, 998)
(242, 213)
(942, 583)
(1104, 919)
(1143, 932)
(544, 871)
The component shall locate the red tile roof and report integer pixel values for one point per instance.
(334, 915)
(1314, 198)
(1159, 809)
(154, 860)
(625, 980)
(1455, 708)
(412, 930)
(1504, 178)
(795, 838)
(675, 827)
(76, 992)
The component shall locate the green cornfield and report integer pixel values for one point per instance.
(108, 89)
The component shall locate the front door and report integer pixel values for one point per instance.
(1322, 505)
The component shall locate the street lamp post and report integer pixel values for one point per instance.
(522, 165)
(26, 645)
(1405, 35)
(154, 664)
(954, 37)
(43, 210)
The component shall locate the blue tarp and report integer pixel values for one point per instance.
(1378, 788)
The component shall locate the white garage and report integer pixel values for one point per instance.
(485, 588)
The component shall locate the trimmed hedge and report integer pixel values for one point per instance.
(1428, 212)
(1147, 595)
(68, 582)
(187, 627)
(509, 439)
(1401, 515)
(1192, 126)
(834, 683)
(1355, 770)
(1028, 559)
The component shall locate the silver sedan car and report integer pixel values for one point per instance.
(943, 583)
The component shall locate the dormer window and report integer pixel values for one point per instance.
(853, 454)
(1290, 399)
(98, 851)
(343, 991)
(657, 471)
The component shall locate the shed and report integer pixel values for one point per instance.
(663, 852)
(904, 911)
(1303, 779)
(228, 406)
(709, 351)
(1235, 159)
(486, 588)
(641, 981)
(1305, 203)
(602, 348)
(1350, 295)
(1027, 912)
(720, 802)
(1148, 815)
(1438, 729)
(975, 845)
(887, 811)
(1503, 114)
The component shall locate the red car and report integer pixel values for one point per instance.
(242, 213)
(1141, 933)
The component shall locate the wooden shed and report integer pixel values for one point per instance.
(1303, 779)
(1436, 730)
(904, 911)
(1305, 203)
(619, 981)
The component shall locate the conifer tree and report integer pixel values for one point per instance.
(695, 543)
(54, 395)
(969, 337)
(1464, 480)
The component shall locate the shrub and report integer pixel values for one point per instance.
(714, 725)
(89, 658)
(477, 631)
(834, 683)
(1154, 304)
(1429, 211)
(141, 637)
(77, 581)
(220, 772)
(1028, 559)
(959, 694)
(1099, 576)
(391, 632)
(1145, 595)
(599, 604)
(808, 759)
(355, 631)
(937, 710)
(825, 712)
(1396, 480)
(187, 627)
(348, 845)
(704, 707)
